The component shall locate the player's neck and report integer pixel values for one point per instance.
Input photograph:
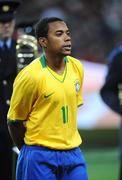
(55, 62)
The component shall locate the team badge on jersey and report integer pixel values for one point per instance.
(77, 85)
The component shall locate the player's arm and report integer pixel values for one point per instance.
(23, 98)
(81, 77)
(17, 132)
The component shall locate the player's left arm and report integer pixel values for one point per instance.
(81, 77)
(17, 132)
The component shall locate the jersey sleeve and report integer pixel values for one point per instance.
(23, 97)
(81, 77)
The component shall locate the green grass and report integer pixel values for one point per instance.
(102, 164)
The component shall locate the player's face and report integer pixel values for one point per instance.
(59, 40)
(6, 29)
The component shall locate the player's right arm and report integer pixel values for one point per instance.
(22, 100)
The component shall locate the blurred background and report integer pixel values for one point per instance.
(95, 25)
(96, 28)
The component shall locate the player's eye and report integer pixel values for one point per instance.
(68, 33)
(58, 33)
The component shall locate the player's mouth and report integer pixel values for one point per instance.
(67, 47)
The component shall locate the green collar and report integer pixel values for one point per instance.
(43, 61)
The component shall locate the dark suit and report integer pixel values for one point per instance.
(8, 71)
(110, 90)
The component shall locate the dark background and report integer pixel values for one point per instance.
(95, 25)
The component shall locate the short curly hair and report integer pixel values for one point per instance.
(41, 28)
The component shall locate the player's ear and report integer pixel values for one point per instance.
(43, 42)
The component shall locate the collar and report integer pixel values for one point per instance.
(43, 60)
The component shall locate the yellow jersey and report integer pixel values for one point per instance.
(48, 102)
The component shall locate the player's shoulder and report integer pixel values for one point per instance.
(29, 71)
(75, 62)
(34, 65)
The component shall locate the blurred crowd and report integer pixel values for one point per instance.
(96, 25)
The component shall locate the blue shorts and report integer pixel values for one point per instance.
(40, 163)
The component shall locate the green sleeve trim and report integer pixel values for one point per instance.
(11, 121)
(80, 105)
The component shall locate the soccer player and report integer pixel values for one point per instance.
(43, 109)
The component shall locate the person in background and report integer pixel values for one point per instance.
(43, 109)
(111, 92)
(8, 71)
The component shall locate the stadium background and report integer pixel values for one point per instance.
(96, 28)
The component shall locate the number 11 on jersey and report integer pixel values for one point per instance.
(64, 110)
